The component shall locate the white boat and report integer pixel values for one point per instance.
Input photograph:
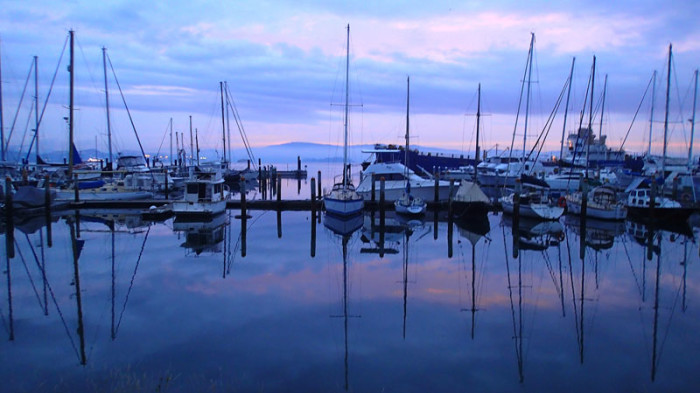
(408, 203)
(602, 204)
(343, 200)
(565, 181)
(205, 196)
(504, 171)
(395, 177)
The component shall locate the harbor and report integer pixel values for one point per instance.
(220, 203)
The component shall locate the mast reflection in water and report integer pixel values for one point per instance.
(118, 302)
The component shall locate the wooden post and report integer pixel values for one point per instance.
(313, 217)
(75, 187)
(47, 202)
(382, 227)
(9, 224)
(437, 189)
(374, 187)
(279, 191)
(299, 166)
(165, 173)
(279, 223)
(319, 184)
(243, 206)
(313, 193)
(652, 201)
(450, 227)
(244, 220)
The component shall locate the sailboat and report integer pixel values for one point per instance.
(343, 200)
(533, 200)
(470, 199)
(407, 203)
(644, 202)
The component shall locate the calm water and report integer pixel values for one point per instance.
(192, 307)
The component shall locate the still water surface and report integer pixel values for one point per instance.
(422, 306)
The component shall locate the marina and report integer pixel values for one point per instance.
(535, 266)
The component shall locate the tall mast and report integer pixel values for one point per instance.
(668, 95)
(478, 120)
(527, 99)
(589, 134)
(223, 120)
(196, 136)
(171, 141)
(228, 122)
(651, 116)
(191, 144)
(408, 97)
(347, 97)
(71, 69)
(566, 110)
(692, 122)
(602, 107)
(109, 124)
(36, 106)
(2, 120)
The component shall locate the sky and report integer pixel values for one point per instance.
(284, 65)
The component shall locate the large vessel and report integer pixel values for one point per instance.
(419, 162)
(584, 149)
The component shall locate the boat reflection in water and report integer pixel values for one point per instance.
(276, 321)
(535, 234)
(344, 227)
(599, 234)
(201, 236)
(474, 231)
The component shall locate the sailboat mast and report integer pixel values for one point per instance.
(408, 97)
(36, 106)
(171, 141)
(478, 120)
(602, 107)
(668, 95)
(527, 97)
(692, 123)
(589, 134)
(228, 122)
(71, 69)
(109, 123)
(651, 116)
(347, 96)
(223, 120)
(2, 120)
(191, 144)
(566, 110)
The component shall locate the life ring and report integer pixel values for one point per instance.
(685, 197)
(561, 202)
(561, 236)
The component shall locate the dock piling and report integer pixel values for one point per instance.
(9, 213)
(47, 202)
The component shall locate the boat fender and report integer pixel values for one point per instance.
(561, 202)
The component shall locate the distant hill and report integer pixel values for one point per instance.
(277, 154)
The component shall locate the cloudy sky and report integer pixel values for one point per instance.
(284, 62)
